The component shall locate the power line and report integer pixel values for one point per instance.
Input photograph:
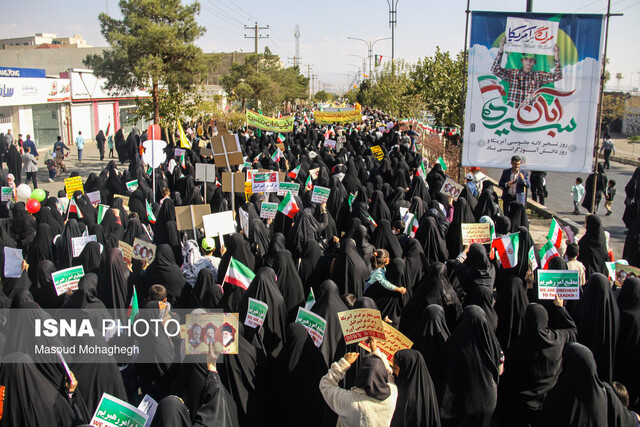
(251, 17)
(256, 35)
(229, 12)
(225, 15)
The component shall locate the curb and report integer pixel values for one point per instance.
(542, 210)
(625, 160)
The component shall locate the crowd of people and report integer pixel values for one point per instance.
(486, 350)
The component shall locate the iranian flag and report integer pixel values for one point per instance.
(412, 223)
(288, 206)
(306, 119)
(422, 173)
(280, 138)
(309, 184)
(183, 163)
(351, 198)
(489, 83)
(547, 252)
(293, 174)
(133, 306)
(73, 208)
(442, 163)
(256, 158)
(507, 249)
(150, 216)
(238, 274)
(277, 155)
(370, 218)
(555, 234)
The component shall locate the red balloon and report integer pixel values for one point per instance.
(33, 206)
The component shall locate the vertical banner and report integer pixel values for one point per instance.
(533, 90)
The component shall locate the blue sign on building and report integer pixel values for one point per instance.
(22, 72)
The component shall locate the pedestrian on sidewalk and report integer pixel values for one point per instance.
(100, 140)
(538, 186)
(58, 149)
(577, 191)
(607, 148)
(596, 184)
(32, 145)
(51, 165)
(110, 145)
(30, 166)
(609, 195)
(80, 145)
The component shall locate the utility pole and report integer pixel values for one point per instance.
(256, 36)
(529, 5)
(309, 78)
(296, 58)
(393, 20)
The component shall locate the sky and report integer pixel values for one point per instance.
(326, 25)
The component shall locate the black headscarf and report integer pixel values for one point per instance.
(417, 404)
(63, 247)
(90, 258)
(579, 397)
(349, 270)
(518, 215)
(472, 356)
(476, 270)
(328, 305)
(383, 238)
(238, 249)
(312, 269)
(462, 214)
(289, 282)
(627, 370)
(433, 244)
(164, 271)
(415, 262)
(483, 298)
(593, 247)
(113, 287)
(511, 305)
(532, 363)
(372, 377)
(43, 289)
(41, 249)
(598, 320)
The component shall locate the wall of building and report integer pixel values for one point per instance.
(54, 61)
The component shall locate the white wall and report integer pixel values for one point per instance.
(81, 120)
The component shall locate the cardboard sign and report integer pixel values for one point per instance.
(149, 407)
(226, 147)
(78, 244)
(268, 210)
(219, 223)
(94, 198)
(563, 283)
(7, 194)
(285, 187)
(394, 341)
(12, 262)
(623, 271)
(320, 194)
(206, 152)
(264, 182)
(476, 233)
(256, 313)
(72, 185)
(143, 251)
(113, 412)
(358, 325)
(206, 328)
(127, 251)
(280, 145)
(205, 172)
(377, 151)
(452, 188)
(238, 182)
(314, 324)
(183, 216)
(125, 201)
(67, 279)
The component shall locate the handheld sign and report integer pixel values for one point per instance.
(132, 185)
(264, 182)
(268, 210)
(394, 341)
(256, 313)
(149, 407)
(113, 412)
(314, 324)
(127, 251)
(219, 223)
(94, 197)
(12, 262)
(143, 251)
(210, 328)
(476, 233)
(358, 325)
(452, 188)
(78, 244)
(285, 187)
(190, 217)
(563, 283)
(72, 185)
(7, 193)
(320, 194)
(377, 151)
(205, 172)
(67, 279)
(525, 35)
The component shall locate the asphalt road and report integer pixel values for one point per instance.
(559, 187)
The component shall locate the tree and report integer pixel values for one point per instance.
(614, 107)
(153, 45)
(323, 96)
(262, 79)
(439, 80)
(392, 92)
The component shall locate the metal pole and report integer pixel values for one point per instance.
(602, 77)
(529, 5)
(464, 88)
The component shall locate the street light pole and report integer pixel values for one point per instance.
(393, 20)
(364, 61)
(369, 47)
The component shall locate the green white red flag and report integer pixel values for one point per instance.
(288, 206)
(555, 234)
(238, 274)
(547, 252)
(507, 249)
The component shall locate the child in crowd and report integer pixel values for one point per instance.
(379, 260)
(573, 264)
(609, 195)
(577, 191)
(51, 167)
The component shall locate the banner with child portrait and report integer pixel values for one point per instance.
(533, 90)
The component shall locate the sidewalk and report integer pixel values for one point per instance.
(626, 152)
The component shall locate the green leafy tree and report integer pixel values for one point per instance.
(392, 91)
(614, 107)
(323, 96)
(438, 79)
(152, 47)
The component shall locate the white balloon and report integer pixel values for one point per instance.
(23, 192)
(157, 147)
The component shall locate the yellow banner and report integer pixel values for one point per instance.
(272, 124)
(324, 117)
(184, 141)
